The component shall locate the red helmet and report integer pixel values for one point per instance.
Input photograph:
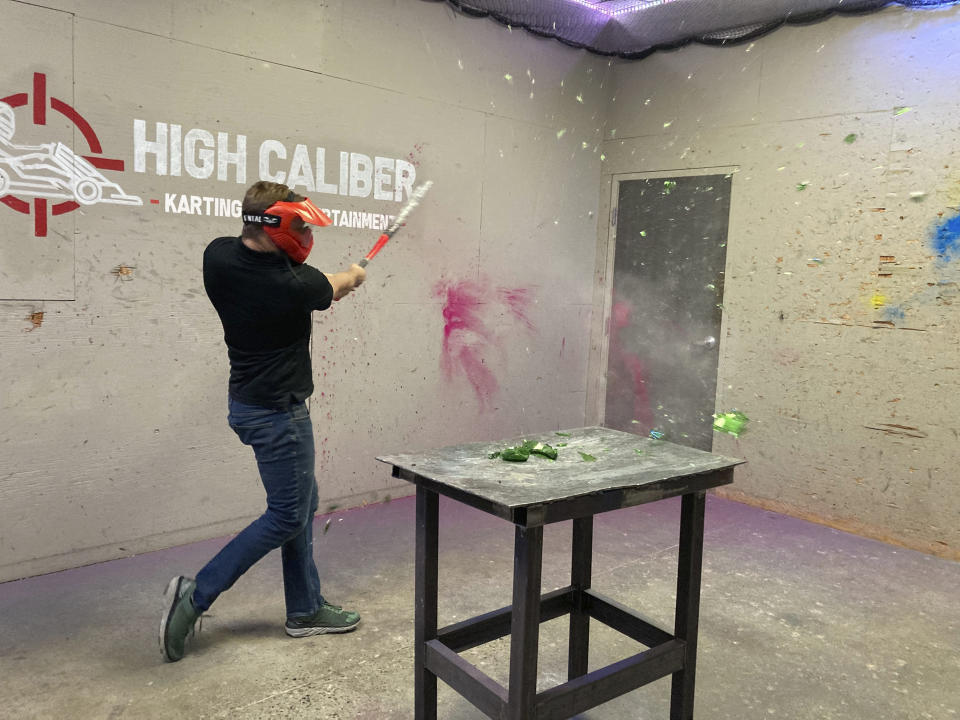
(276, 221)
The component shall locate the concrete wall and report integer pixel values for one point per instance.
(112, 410)
(113, 372)
(842, 318)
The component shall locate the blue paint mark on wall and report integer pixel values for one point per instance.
(945, 243)
(946, 239)
(893, 313)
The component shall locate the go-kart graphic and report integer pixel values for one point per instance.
(52, 170)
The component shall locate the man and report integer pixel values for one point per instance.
(264, 295)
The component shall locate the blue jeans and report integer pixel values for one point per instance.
(282, 441)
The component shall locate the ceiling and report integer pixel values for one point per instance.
(635, 28)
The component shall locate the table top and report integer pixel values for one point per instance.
(624, 462)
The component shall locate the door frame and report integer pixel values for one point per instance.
(596, 401)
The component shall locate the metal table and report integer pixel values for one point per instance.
(628, 470)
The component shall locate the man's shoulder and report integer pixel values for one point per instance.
(221, 250)
(221, 244)
(311, 276)
(303, 270)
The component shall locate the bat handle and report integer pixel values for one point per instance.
(362, 263)
(381, 241)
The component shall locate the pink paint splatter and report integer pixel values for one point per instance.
(464, 336)
(414, 156)
(518, 301)
(632, 366)
(467, 340)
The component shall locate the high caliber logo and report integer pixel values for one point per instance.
(52, 171)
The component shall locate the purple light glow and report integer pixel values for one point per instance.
(630, 7)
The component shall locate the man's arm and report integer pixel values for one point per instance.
(347, 281)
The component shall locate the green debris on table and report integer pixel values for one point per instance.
(522, 452)
(850, 139)
(562, 434)
(587, 457)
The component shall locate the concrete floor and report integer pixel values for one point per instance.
(798, 621)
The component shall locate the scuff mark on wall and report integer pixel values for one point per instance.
(36, 318)
(893, 429)
(887, 265)
(123, 272)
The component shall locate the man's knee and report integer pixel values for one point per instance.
(290, 523)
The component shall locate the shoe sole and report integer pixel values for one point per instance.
(310, 631)
(170, 597)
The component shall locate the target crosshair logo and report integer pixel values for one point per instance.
(53, 171)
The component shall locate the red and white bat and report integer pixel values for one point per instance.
(415, 197)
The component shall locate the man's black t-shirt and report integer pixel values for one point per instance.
(264, 303)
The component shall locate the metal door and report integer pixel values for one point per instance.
(670, 250)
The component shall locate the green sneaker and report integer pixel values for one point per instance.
(328, 619)
(178, 619)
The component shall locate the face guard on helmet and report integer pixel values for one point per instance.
(276, 221)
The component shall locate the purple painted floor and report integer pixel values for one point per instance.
(798, 621)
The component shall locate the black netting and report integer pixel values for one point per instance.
(664, 24)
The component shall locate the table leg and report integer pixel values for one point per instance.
(525, 622)
(580, 571)
(426, 602)
(688, 602)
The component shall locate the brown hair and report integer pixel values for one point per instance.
(259, 197)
